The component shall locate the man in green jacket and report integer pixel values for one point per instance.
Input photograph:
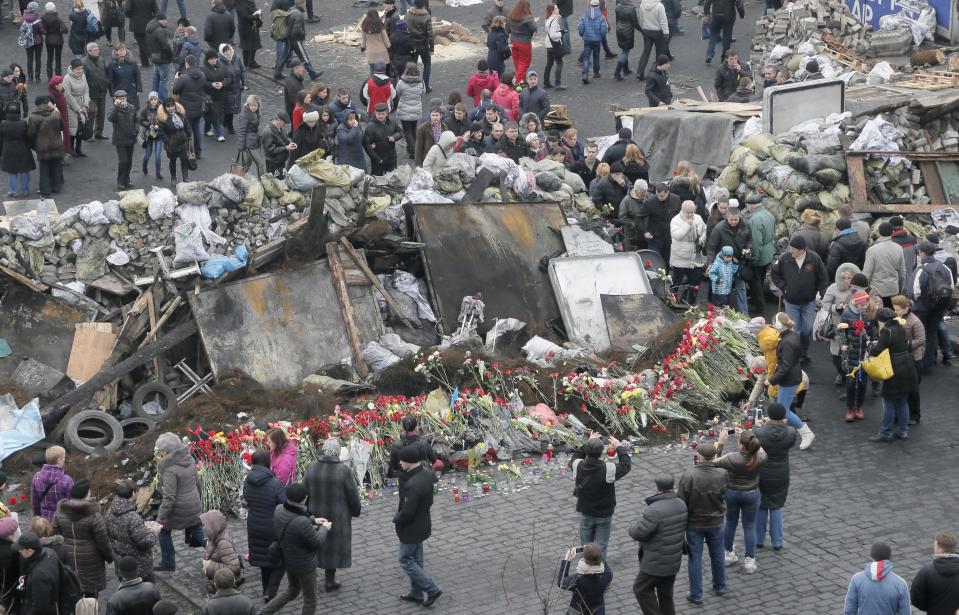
(762, 225)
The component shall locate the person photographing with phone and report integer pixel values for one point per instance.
(588, 582)
(595, 487)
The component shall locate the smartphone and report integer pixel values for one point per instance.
(731, 431)
(579, 549)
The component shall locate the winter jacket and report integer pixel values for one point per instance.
(658, 89)
(703, 489)
(140, 12)
(739, 477)
(592, 26)
(655, 218)
(412, 518)
(534, 100)
(918, 286)
(248, 25)
(788, 371)
(125, 75)
(553, 36)
(15, 147)
(219, 27)
(439, 154)
(160, 41)
(855, 338)
(86, 542)
(877, 591)
(816, 240)
(885, 267)
(905, 240)
(212, 74)
(262, 492)
(8, 96)
(228, 602)
(617, 150)
(53, 29)
(219, 550)
(248, 129)
(233, 98)
(506, 97)
(481, 81)
(661, 533)
(376, 140)
(836, 293)
(428, 456)
(722, 275)
(420, 26)
(41, 586)
(377, 46)
(190, 47)
(915, 335)
(45, 132)
(724, 10)
(291, 87)
(401, 49)
(274, 142)
(585, 172)
(605, 191)
(78, 37)
(283, 462)
(588, 588)
(627, 22)
(521, 31)
(338, 109)
(77, 93)
(689, 240)
(377, 89)
(935, 590)
(652, 16)
(97, 81)
(190, 88)
(180, 486)
(124, 120)
(9, 571)
(129, 535)
(762, 227)
(497, 44)
(777, 439)
(595, 482)
(349, 146)
(133, 597)
(299, 537)
(681, 186)
(727, 79)
(514, 150)
(800, 286)
(334, 495)
(904, 379)
(175, 140)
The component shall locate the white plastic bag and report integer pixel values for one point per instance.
(299, 180)
(161, 202)
(188, 242)
(880, 73)
(199, 215)
(378, 357)
(779, 52)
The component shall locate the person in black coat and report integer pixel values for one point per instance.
(248, 24)
(140, 12)
(227, 600)
(124, 74)
(263, 492)
(9, 561)
(414, 526)
(78, 37)
(310, 136)
(41, 576)
(299, 537)
(661, 534)
(657, 212)
(595, 477)
(293, 84)
(777, 439)
(190, 87)
(511, 145)
(53, 39)
(895, 391)
(588, 582)
(379, 140)
(134, 595)
(218, 81)
(935, 590)
(401, 47)
(658, 90)
(277, 144)
(610, 190)
(800, 285)
(16, 159)
(616, 151)
(846, 247)
(627, 23)
(410, 437)
(123, 116)
(219, 27)
(177, 132)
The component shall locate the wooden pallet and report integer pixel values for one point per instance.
(938, 80)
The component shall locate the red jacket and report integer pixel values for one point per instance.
(378, 89)
(507, 97)
(479, 82)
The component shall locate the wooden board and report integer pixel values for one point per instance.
(859, 192)
(92, 344)
(635, 319)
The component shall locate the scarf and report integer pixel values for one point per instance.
(583, 568)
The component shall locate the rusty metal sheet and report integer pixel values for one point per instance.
(494, 249)
(635, 319)
(280, 327)
(38, 326)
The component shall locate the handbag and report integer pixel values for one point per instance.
(827, 329)
(85, 129)
(879, 368)
(191, 159)
(236, 167)
(275, 550)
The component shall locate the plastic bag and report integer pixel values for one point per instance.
(231, 186)
(199, 215)
(161, 203)
(89, 213)
(31, 227)
(878, 134)
(111, 209)
(78, 287)
(395, 344)
(254, 197)
(215, 267)
(322, 169)
(272, 187)
(134, 205)
(118, 258)
(378, 357)
(779, 52)
(188, 243)
(407, 284)
(420, 180)
(298, 179)
(193, 193)
(880, 73)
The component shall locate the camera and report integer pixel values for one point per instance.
(731, 431)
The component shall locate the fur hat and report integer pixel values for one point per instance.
(811, 216)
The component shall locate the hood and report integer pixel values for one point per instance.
(412, 79)
(447, 139)
(180, 457)
(71, 75)
(504, 89)
(947, 565)
(526, 118)
(214, 523)
(877, 571)
(195, 73)
(219, 8)
(152, 26)
(259, 475)
(851, 268)
(380, 78)
(42, 111)
(51, 541)
(120, 507)
(844, 232)
(30, 16)
(77, 509)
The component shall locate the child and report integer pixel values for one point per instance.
(722, 276)
(588, 583)
(856, 330)
(220, 551)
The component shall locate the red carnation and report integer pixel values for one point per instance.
(13, 501)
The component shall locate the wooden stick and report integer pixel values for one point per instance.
(164, 317)
(702, 94)
(346, 307)
(152, 313)
(375, 281)
(19, 277)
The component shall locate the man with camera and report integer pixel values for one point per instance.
(595, 488)
(661, 533)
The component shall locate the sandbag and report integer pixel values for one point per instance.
(292, 197)
(30, 227)
(749, 164)
(134, 205)
(810, 163)
(89, 213)
(65, 236)
(821, 146)
(739, 152)
(378, 357)
(91, 261)
(322, 169)
(272, 187)
(298, 179)
(193, 193)
(118, 231)
(231, 186)
(829, 177)
(464, 165)
(760, 143)
(161, 203)
(730, 178)
(448, 181)
(783, 153)
(807, 201)
(800, 183)
(574, 181)
(254, 197)
(188, 244)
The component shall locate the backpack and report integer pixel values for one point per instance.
(938, 292)
(70, 590)
(94, 27)
(297, 29)
(279, 30)
(25, 37)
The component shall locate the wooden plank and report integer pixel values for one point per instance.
(930, 175)
(92, 344)
(375, 281)
(857, 183)
(19, 277)
(164, 317)
(346, 307)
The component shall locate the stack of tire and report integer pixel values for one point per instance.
(96, 431)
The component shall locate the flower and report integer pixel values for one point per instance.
(13, 501)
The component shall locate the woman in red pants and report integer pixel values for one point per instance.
(522, 29)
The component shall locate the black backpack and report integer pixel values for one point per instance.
(938, 293)
(70, 590)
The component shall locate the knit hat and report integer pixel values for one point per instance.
(531, 136)
(28, 540)
(296, 492)
(885, 314)
(482, 66)
(776, 411)
(859, 280)
(798, 242)
(640, 188)
(33, 6)
(168, 442)
(843, 223)
(411, 453)
(880, 551)
(331, 447)
(6, 73)
(726, 251)
(282, 116)
(625, 133)
(210, 53)
(311, 116)
(617, 167)
(8, 527)
(379, 66)
(80, 489)
(165, 607)
(860, 298)
(152, 95)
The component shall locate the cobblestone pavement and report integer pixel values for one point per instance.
(95, 177)
(845, 494)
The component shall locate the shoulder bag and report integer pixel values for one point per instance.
(275, 550)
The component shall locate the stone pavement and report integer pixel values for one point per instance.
(489, 555)
(95, 177)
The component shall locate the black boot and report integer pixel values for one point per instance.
(145, 171)
(331, 583)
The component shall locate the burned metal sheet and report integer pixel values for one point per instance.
(38, 326)
(281, 327)
(579, 283)
(494, 249)
(635, 319)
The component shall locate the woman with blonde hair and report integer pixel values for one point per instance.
(248, 135)
(687, 185)
(78, 29)
(787, 373)
(634, 164)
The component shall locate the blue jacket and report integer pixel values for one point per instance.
(722, 275)
(877, 591)
(190, 47)
(592, 25)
